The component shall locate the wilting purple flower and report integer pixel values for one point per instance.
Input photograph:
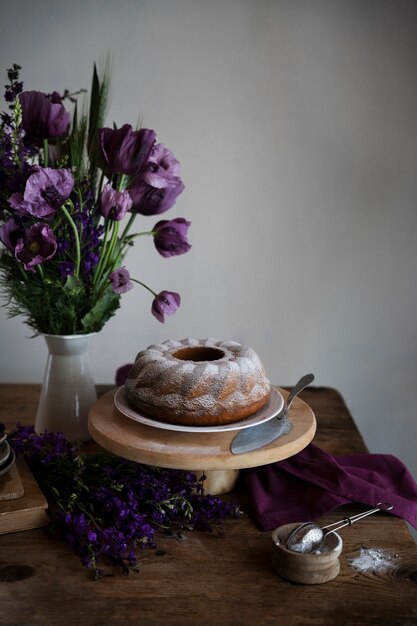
(120, 280)
(10, 233)
(170, 237)
(38, 245)
(155, 190)
(41, 118)
(114, 204)
(165, 303)
(125, 151)
(46, 190)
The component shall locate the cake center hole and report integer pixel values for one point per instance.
(198, 353)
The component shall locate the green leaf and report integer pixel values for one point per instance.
(98, 109)
(75, 118)
(104, 308)
(94, 107)
(74, 286)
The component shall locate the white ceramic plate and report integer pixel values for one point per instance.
(4, 467)
(272, 408)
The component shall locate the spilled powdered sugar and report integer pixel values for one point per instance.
(374, 560)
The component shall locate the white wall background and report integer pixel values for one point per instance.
(295, 122)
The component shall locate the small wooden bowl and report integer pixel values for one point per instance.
(309, 569)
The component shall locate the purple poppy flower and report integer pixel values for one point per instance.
(165, 303)
(10, 233)
(120, 280)
(46, 190)
(114, 204)
(37, 246)
(125, 151)
(41, 118)
(155, 190)
(170, 237)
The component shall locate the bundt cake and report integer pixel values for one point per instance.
(198, 382)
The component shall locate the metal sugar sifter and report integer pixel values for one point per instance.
(309, 537)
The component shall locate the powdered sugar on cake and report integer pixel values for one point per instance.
(197, 377)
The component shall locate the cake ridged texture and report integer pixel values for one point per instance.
(199, 392)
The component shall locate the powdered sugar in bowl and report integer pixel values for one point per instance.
(311, 568)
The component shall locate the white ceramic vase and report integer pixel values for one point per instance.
(68, 389)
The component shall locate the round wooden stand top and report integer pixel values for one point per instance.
(138, 442)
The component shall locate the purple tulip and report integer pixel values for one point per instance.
(155, 190)
(170, 237)
(46, 190)
(10, 233)
(165, 303)
(41, 118)
(114, 204)
(120, 280)
(37, 246)
(125, 151)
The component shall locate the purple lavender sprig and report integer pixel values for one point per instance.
(107, 508)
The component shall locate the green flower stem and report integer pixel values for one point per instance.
(80, 198)
(134, 280)
(149, 232)
(45, 153)
(143, 285)
(113, 240)
(122, 247)
(99, 267)
(100, 185)
(107, 257)
(127, 241)
(122, 183)
(77, 239)
(22, 271)
(128, 226)
(16, 128)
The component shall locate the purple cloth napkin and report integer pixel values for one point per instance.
(313, 483)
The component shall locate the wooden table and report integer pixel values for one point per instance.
(208, 580)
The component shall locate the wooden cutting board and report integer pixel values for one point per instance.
(26, 511)
(11, 486)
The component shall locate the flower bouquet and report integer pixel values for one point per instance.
(70, 191)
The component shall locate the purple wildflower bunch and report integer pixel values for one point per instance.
(70, 191)
(109, 509)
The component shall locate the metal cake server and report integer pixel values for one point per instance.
(258, 436)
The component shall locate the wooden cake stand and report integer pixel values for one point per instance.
(198, 452)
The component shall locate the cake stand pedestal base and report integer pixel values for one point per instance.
(218, 481)
(194, 451)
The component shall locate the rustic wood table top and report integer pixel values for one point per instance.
(208, 580)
